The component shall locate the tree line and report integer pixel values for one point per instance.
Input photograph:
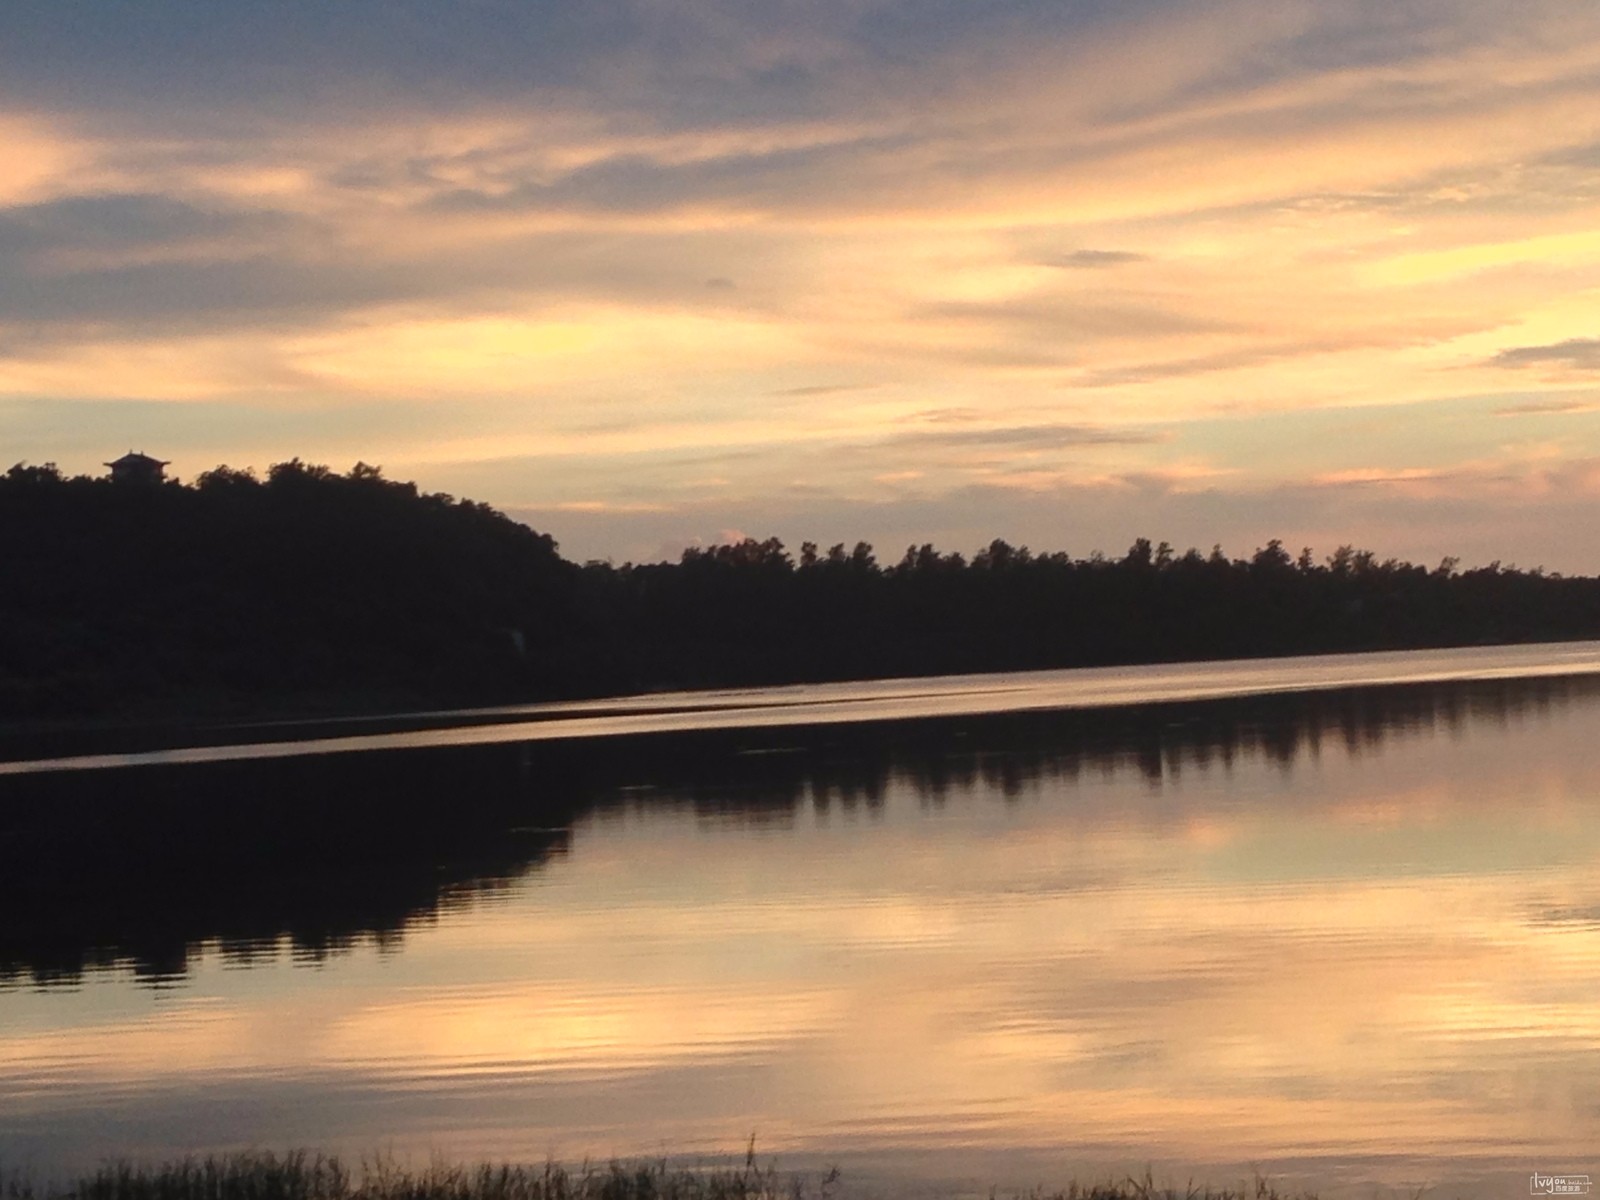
(306, 588)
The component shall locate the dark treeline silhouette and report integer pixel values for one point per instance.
(349, 588)
(751, 613)
(141, 867)
(307, 588)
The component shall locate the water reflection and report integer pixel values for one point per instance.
(146, 868)
(1348, 936)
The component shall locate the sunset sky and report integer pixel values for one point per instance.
(654, 273)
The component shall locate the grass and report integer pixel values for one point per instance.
(302, 1176)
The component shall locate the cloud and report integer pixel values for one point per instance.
(1024, 437)
(607, 506)
(1043, 318)
(1379, 475)
(187, 296)
(1579, 354)
(1097, 258)
(1534, 518)
(115, 222)
(1387, 334)
(153, 265)
(485, 233)
(820, 389)
(1548, 407)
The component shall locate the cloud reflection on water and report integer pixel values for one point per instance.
(1345, 929)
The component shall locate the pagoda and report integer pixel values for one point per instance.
(137, 468)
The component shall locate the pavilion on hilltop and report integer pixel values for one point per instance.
(137, 468)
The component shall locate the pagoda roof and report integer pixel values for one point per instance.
(132, 458)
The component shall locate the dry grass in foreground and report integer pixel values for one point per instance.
(302, 1176)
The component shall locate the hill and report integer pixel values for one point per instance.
(239, 593)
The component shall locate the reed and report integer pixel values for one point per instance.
(300, 1175)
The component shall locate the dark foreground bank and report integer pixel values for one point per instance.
(302, 1176)
(309, 592)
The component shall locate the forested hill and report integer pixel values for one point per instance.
(313, 591)
(236, 593)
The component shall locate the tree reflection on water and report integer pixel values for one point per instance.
(143, 867)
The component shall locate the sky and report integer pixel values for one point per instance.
(656, 273)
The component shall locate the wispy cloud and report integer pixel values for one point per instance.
(1096, 258)
(1549, 407)
(1581, 354)
(820, 389)
(1030, 437)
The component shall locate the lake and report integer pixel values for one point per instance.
(1333, 920)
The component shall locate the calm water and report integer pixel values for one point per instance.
(947, 934)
